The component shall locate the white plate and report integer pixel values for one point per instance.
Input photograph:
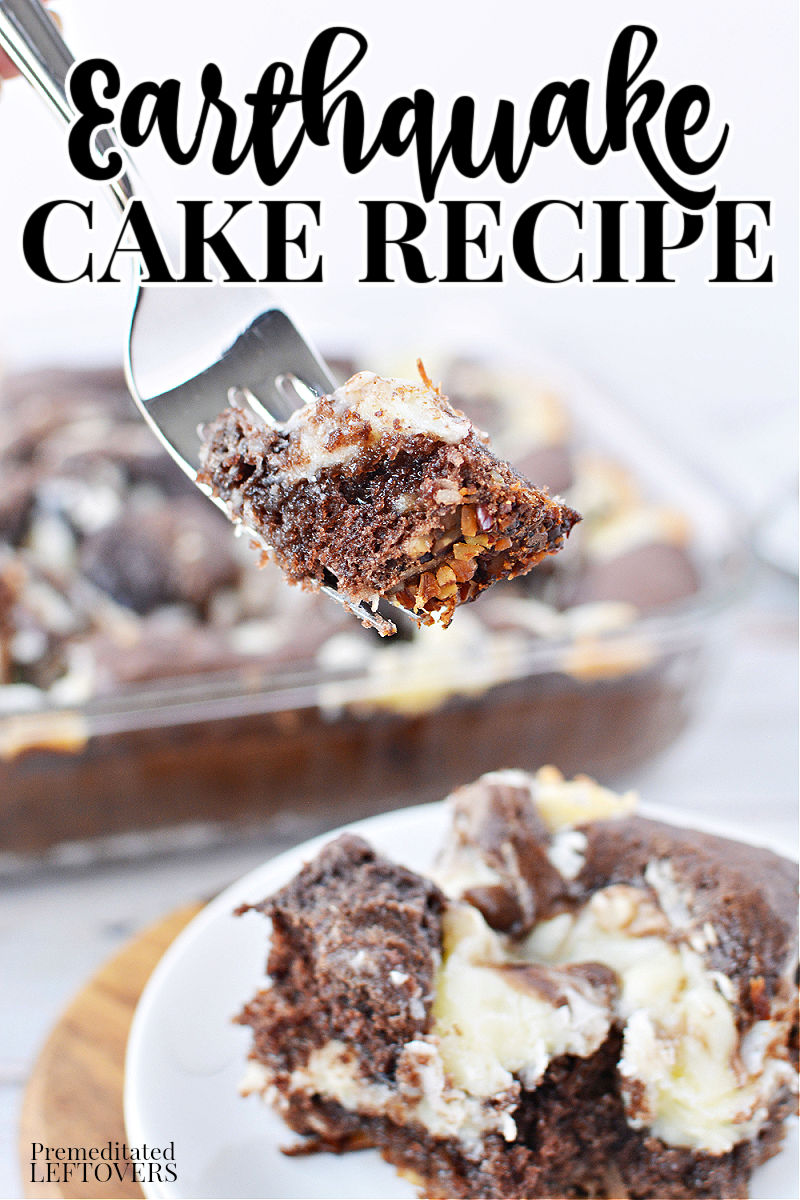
(185, 1057)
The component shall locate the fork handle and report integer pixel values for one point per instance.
(33, 43)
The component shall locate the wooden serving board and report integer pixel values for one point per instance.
(74, 1096)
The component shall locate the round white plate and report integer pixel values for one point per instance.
(185, 1056)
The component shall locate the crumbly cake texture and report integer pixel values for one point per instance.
(580, 1002)
(391, 931)
(388, 488)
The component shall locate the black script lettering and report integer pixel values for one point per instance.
(677, 129)
(620, 101)
(329, 112)
(224, 158)
(430, 164)
(81, 142)
(542, 112)
(269, 102)
(316, 87)
(135, 129)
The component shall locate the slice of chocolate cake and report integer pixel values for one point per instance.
(701, 934)
(584, 1002)
(387, 487)
(395, 1018)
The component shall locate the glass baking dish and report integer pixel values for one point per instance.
(303, 746)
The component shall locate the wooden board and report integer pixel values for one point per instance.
(74, 1096)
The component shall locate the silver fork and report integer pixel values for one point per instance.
(189, 348)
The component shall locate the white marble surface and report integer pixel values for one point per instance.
(57, 927)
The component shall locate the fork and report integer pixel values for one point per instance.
(189, 349)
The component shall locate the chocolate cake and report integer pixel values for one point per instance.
(387, 489)
(130, 553)
(580, 1002)
(124, 601)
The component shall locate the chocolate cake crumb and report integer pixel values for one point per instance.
(341, 931)
(389, 489)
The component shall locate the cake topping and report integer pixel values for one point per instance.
(362, 411)
(387, 489)
(513, 845)
(592, 1031)
(497, 1019)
